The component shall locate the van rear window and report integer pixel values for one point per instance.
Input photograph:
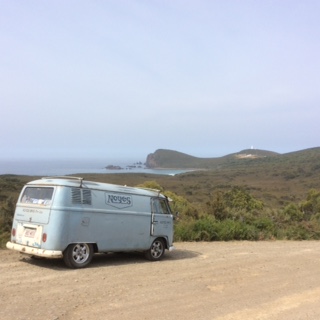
(35, 195)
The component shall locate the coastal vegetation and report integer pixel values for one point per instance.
(10, 187)
(250, 195)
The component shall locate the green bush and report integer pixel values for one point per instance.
(183, 230)
(218, 207)
(6, 216)
(311, 205)
(209, 229)
(151, 185)
(236, 230)
(223, 205)
(239, 198)
(292, 213)
(203, 229)
(182, 206)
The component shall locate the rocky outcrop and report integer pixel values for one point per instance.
(112, 167)
(151, 161)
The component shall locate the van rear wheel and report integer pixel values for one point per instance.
(78, 255)
(156, 250)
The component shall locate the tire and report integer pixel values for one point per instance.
(78, 255)
(156, 250)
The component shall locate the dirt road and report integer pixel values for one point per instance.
(231, 280)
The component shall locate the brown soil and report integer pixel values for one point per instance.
(231, 280)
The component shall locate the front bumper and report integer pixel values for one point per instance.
(34, 251)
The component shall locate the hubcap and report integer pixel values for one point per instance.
(157, 249)
(80, 253)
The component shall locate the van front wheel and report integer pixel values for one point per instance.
(156, 250)
(78, 255)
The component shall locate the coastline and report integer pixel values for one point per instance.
(72, 167)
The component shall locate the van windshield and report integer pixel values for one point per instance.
(37, 195)
(160, 206)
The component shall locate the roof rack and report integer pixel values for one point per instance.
(150, 189)
(66, 177)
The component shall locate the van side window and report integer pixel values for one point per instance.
(160, 206)
(34, 195)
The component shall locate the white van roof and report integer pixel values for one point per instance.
(77, 182)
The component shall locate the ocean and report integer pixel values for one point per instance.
(72, 167)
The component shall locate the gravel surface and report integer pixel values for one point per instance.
(217, 280)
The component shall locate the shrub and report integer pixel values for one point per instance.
(205, 229)
(6, 216)
(238, 198)
(182, 206)
(236, 230)
(224, 204)
(183, 230)
(209, 229)
(217, 207)
(151, 185)
(292, 212)
(311, 205)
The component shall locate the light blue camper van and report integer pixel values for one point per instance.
(70, 218)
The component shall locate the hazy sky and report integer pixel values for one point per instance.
(116, 78)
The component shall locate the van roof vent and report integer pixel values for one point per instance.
(81, 196)
(86, 196)
(76, 195)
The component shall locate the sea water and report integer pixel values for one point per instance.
(75, 166)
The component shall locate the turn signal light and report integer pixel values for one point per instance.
(44, 237)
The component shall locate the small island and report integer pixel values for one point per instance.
(113, 167)
(136, 165)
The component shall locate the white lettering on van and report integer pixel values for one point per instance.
(118, 200)
(32, 211)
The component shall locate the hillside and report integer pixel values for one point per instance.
(277, 179)
(162, 158)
